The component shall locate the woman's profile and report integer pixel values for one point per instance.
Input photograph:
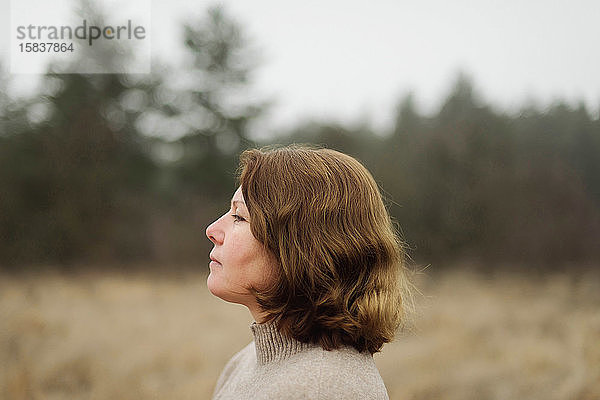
(309, 248)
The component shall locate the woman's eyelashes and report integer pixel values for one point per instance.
(237, 218)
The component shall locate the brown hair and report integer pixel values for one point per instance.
(341, 277)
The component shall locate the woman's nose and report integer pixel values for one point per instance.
(214, 233)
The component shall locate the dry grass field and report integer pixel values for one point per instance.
(115, 336)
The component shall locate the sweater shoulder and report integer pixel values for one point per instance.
(342, 373)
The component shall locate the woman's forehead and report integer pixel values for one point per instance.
(238, 198)
(238, 195)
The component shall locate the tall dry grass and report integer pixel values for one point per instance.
(114, 336)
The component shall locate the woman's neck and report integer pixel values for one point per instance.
(259, 315)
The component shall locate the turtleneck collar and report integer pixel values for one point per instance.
(272, 346)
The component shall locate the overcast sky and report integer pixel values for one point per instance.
(352, 60)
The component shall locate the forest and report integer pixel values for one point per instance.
(130, 168)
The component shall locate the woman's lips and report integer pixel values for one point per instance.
(214, 261)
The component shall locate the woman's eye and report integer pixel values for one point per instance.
(237, 218)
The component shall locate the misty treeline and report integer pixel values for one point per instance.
(120, 169)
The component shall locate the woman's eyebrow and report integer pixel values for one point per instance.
(233, 202)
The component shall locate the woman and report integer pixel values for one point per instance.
(310, 249)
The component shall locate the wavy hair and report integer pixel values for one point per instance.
(342, 277)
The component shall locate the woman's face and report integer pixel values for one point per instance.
(238, 260)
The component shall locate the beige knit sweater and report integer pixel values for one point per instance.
(277, 367)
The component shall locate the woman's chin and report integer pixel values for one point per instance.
(212, 283)
(217, 287)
